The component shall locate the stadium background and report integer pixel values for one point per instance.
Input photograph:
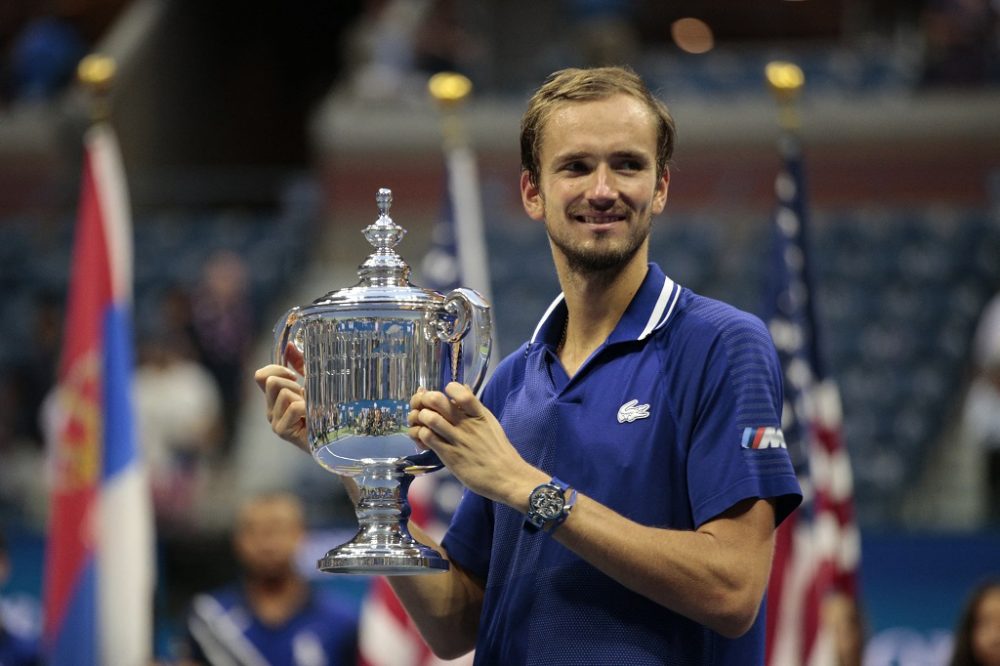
(267, 130)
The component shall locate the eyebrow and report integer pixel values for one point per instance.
(618, 154)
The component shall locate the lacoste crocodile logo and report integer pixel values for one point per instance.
(632, 411)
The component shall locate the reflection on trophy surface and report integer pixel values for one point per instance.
(367, 350)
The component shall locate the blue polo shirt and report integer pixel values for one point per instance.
(222, 629)
(673, 420)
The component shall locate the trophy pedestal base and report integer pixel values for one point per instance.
(354, 559)
(383, 545)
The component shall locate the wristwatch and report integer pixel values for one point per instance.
(548, 506)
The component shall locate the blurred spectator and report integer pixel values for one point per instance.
(222, 323)
(24, 385)
(178, 416)
(980, 421)
(17, 648)
(272, 616)
(977, 636)
(35, 371)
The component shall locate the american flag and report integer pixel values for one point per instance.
(387, 636)
(818, 546)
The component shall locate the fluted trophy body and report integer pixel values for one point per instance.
(366, 350)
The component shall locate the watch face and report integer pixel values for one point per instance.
(547, 502)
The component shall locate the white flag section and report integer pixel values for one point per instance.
(125, 547)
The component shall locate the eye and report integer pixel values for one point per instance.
(630, 164)
(575, 166)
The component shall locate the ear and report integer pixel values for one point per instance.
(660, 193)
(531, 197)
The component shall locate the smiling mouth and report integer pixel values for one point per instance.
(599, 219)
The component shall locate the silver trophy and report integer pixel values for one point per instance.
(367, 349)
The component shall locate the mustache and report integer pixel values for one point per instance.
(588, 211)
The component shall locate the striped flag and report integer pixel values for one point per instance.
(818, 546)
(457, 257)
(99, 562)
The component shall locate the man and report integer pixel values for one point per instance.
(272, 617)
(625, 468)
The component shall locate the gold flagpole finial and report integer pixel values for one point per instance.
(96, 73)
(785, 78)
(786, 81)
(450, 90)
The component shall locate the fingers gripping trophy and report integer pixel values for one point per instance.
(366, 350)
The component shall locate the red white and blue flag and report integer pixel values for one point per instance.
(99, 562)
(818, 546)
(457, 257)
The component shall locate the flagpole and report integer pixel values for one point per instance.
(817, 551)
(450, 91)
(786, 81)
(97, 73)
(789, 613)
(457, 257)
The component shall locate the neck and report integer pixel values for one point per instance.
(596, 302)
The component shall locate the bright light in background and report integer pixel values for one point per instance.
(692, 35)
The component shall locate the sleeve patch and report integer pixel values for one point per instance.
(763, 438)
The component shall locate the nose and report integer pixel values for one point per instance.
(602, 191)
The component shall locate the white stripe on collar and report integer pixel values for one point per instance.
(545, 317)
(665, 304)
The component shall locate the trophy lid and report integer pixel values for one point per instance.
(384, 276)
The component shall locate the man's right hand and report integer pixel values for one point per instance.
(286, 404)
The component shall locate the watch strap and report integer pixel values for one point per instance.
(567, 507)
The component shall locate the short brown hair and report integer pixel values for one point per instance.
(581, 85)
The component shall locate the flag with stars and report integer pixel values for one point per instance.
(387, 635)
(818, 547)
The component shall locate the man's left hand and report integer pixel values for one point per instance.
(470, 442)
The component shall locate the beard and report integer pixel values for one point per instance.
(600, 255)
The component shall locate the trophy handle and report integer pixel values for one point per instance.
(473, 320)
(285, 331)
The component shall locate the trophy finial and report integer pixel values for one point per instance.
(384, 234)
(384, 200)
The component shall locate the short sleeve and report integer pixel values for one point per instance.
(737, 449)
(469, 539)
